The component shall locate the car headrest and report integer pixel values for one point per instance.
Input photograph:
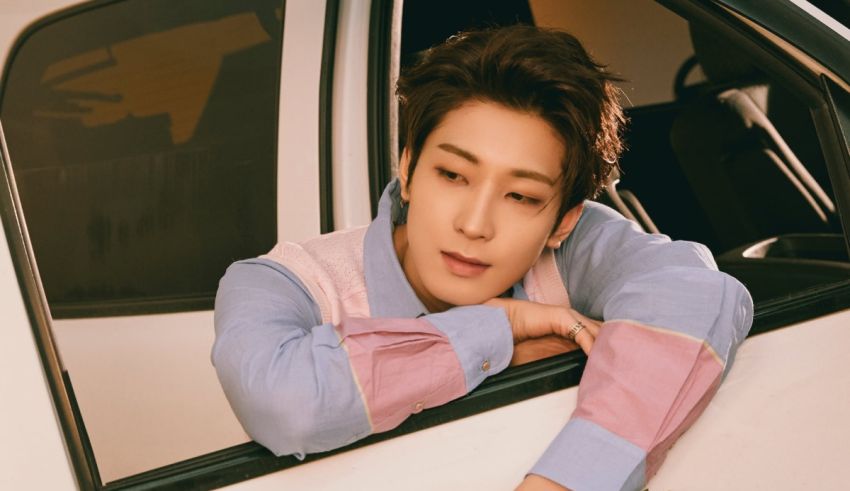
(722, 62)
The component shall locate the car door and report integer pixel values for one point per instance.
(202, 124)
(156, 120)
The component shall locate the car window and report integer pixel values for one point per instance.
(143, 135)
(721, 148)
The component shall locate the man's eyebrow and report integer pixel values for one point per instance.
(448, 147)
(536, 176)
(521, 173)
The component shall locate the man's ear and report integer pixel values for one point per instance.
(567, 224)
(404, 173)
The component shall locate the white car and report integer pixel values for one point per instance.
(147, 144)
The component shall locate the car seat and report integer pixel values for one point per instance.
(746, 177)
(625, 202)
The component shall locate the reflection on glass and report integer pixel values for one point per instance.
(146, 76)
(152, 128)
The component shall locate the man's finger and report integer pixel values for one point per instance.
(593, 327)
(585, 339)
(589, 324)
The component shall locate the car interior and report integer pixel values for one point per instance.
(729, 159)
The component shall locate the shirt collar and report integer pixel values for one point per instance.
(389, 292)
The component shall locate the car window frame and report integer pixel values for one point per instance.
(382, 105)
(189, 302)
(809, 78)
(59, 384)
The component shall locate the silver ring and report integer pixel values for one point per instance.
(574, 330)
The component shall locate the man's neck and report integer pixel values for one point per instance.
(400, 245)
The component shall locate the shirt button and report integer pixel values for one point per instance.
(485, 366)
(418, 407)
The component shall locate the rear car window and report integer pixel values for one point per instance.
(143, 136)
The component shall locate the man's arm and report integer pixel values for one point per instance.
(672, 325)
(299, 386)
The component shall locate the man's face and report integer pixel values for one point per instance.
(484, 198)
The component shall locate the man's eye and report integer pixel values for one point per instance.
(449, 175)
(520, 198)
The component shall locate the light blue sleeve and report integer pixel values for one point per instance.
(288, 377)
(283, 371)
(614, 271)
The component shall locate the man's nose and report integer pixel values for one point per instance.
(475, 216)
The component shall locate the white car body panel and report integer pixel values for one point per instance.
(174, 408)
(298, 137)
(30, 436)
(350, 156)
(777, 422)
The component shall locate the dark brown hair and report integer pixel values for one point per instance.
(534, 70)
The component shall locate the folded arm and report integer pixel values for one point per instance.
(672, 325)
(299, 386)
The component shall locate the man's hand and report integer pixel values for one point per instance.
(530, 320)
(539, 348)
(533, 482)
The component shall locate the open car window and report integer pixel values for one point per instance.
(722, 148)
(145, 157)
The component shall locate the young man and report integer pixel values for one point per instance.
(485, 249)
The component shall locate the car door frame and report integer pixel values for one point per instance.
(40, 389)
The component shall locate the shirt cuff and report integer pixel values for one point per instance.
(481, 336)
(587, 457)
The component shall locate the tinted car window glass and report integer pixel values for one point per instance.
(143, 139)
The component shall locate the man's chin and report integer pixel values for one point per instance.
(461, 297)
(457, 291)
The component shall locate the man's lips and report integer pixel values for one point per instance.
(461, 265)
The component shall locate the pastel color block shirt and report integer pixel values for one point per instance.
(322, 343)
